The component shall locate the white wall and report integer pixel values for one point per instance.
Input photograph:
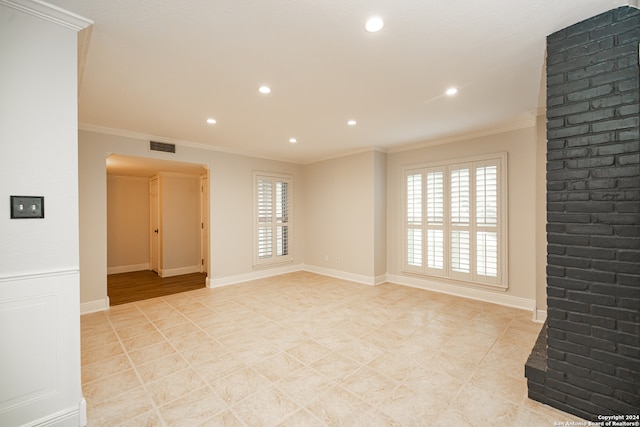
(127, 223)
(39, 278)
(380, 214)
(521, 148)
(340, 216)
(231, 207)
(38, 137)
(92, 189)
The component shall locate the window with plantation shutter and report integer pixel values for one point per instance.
(459, 221)
(272, 227)
(487, 220)
(414, 220)
(435, 219)
(456, 221)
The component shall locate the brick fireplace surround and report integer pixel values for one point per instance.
(587, 358)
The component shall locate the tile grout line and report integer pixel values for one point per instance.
(133, 366)
(298, 312)
(191, 366)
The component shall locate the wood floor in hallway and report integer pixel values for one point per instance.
(123, 288)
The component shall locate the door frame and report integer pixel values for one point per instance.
(204, 223)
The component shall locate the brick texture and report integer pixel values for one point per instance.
(591, 365)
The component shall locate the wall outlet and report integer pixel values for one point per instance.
(27, 207)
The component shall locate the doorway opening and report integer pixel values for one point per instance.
(157, 227)
(146, 284)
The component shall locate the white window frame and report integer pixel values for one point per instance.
(423, 227)
(273, 222)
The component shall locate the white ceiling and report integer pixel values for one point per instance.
(160, 68)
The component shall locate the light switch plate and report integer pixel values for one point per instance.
(27, 207)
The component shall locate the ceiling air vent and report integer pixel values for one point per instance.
(162, 146)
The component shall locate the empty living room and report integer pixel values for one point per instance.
(319, 213)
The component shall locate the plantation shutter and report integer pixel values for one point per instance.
(455, 222)
(414, 220)
(282, 218)
(435, 220)
(487, 214)
(460, 224)
(265, 230)
(272, 229)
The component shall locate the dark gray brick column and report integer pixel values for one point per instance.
(590, 364)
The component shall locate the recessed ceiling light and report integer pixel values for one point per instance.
(352, 122)
(452, 91)
(375, 23)
(293, 140)
(211, 121)
(264, 89)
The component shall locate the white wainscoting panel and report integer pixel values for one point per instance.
(40, 349)
(27, 363)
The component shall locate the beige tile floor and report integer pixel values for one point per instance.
(308, 350)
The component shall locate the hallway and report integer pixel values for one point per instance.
(123, 288)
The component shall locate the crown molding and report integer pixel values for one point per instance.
(177, 142)
(523, 124)
(84, 40)
(201, 146)
(347, 153)
(49, 13)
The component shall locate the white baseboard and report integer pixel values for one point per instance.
(66, 418)
(358, 278)
(379, 280)
(258, 274)
(127, 268)
(426, 284)
(170, 272)
(539, 316)
(94, 306)
(465, 292)
(264, 273)
(82, 407)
